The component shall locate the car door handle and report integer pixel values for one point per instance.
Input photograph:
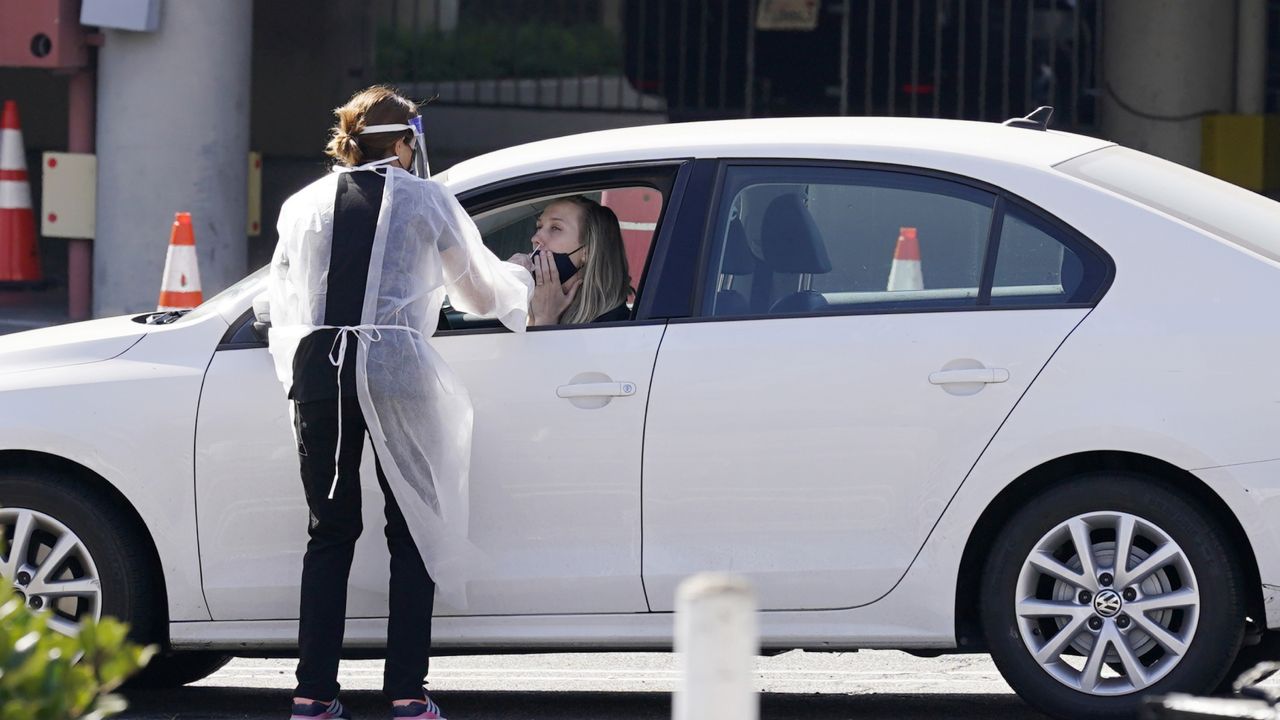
(588, 390)
(976, 375)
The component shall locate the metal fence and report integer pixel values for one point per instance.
(702, 59)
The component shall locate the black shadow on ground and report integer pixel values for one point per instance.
(221, 703)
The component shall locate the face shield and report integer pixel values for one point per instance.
(419, 167)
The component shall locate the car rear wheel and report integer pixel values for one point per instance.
(1107, 588)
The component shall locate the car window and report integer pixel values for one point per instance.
(229, 301)
(507, 230)
(1035, 263)
(827, 240)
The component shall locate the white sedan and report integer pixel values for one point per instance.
(931, 385)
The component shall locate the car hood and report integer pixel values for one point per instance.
(73, 344)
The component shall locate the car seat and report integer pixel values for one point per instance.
(738, 260)
(792, 243)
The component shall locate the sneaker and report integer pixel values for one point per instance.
(320, 711)
(425, 710)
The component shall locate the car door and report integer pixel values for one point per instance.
(863, 333)
(555, 472)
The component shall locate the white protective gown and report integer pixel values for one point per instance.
(419, 415)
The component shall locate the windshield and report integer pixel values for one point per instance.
(1228, 211)
(231, 298)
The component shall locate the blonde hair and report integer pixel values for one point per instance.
(377, 105)
(605, 276)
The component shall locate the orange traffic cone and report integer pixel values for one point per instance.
(19, 254)
(180, 289)
(905, 273)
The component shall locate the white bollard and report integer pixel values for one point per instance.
(717, 640)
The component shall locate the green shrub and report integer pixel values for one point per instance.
(495, 51)
(40, 677)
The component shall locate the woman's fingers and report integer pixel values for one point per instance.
(540, 262)
(553, 272)
(571, 288)
(535, 267)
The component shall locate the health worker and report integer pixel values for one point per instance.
(365, 259)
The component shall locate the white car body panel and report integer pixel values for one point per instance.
(906, 141)
(812, 455)
(881, 625)
(1058, 416)
(64, 345)
(555, 489)
(130, 420)
(1252, 490)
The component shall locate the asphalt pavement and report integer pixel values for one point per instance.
(632, 686)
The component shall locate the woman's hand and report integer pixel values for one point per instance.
(550, 297)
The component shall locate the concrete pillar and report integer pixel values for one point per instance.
(1166, 64)
(717, 639)
(173, 135)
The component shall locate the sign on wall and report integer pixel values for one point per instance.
(69, 191)
(787, 15)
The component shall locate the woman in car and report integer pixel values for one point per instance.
(579, 265)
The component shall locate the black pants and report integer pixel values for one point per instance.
(334, 526)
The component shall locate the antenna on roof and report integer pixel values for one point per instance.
(1037, 120)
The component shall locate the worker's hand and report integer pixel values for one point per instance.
(550, 297)
(523, 260)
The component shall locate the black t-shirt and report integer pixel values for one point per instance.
(355, 218)
(622, 312)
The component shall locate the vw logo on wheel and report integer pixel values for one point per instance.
(1107, 603)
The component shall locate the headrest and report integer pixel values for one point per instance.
(1072, 276)
(731, 302)
(738, 258)
(790, 238)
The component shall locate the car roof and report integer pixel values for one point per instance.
(849, 138)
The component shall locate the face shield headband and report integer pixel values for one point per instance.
(420, 167)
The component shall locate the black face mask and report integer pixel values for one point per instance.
(564, 265)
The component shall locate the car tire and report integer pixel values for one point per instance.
(175, 669)
(102, 543)
(1172, 624)
(1265, 650)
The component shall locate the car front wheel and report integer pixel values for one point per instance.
(1107, 588)
(72, 553)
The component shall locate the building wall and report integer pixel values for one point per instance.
(308, 56)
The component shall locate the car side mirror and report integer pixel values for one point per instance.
(261, 315)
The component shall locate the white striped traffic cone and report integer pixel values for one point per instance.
(19, 254)
(180, 289)
(905, 273)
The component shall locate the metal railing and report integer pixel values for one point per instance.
(971, 59)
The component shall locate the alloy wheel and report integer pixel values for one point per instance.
(1107, 603)
(50, 568)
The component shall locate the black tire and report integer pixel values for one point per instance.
(118, 548)
(177, 668)
(1218, 579)
(1266, 649)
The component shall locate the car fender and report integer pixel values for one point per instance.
(131, 421)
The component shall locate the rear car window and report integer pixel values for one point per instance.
(1240, 216)
(831, 240)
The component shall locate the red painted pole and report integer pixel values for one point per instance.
(80, 124)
